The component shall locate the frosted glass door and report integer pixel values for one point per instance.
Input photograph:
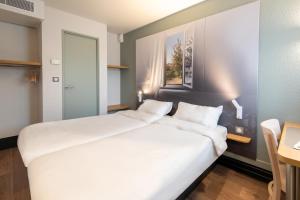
(80, 77)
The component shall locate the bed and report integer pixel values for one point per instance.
(157, 161)
(44, 138)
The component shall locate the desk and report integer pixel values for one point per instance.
(290, 156)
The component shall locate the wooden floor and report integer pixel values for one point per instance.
(221, 184)
(226, 184)
(13, 176)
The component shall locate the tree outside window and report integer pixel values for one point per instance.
(178, 62)
(174, 60)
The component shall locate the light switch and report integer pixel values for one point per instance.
(55, 62)
(55, 79)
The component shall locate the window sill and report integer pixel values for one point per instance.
(175, 87)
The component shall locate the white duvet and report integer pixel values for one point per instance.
(217, 135)
(158, 162)
(40, 139)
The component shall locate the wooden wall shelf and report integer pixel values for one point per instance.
(117, 66)
(238, 138)
(117, 107)
(15, 63)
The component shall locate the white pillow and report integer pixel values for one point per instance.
(156, 107)
(207, 116)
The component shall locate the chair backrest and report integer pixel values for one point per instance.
(272, 126)
(272, 132)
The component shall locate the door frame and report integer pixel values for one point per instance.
(63, 68)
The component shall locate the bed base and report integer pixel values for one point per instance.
(195, 184)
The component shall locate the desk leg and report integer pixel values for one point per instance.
(290, 182)
(297, 188)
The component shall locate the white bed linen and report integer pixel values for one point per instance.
(156, 162)
(218, 135)
(40, 139)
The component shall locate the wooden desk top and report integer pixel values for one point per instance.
(286, 152)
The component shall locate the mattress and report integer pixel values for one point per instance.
(158, 161)
(40, 139)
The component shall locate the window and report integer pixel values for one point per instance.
(179, 61)
(174, 60)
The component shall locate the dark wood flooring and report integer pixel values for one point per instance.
(13, 176)
(225, 184)
(220, 184)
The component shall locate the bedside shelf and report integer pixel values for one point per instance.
(117, 66)
(15, 63)
(117, 107)
(238, 138)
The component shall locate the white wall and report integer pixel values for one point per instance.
(113, 49)
(19, 99)
(18, 42)
(55, 23)
(113, 75)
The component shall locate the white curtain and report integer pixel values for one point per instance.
(155, 71)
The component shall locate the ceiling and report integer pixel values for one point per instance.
(122, 16)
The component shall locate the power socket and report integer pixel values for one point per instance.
(239, 130)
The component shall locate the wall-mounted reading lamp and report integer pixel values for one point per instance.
(33, 78)
(239, 109)
(140, 96)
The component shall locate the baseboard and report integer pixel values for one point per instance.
(251, 170)
(10, 142)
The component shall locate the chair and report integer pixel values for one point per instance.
(272, 132)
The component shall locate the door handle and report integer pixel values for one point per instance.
(69, 87)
